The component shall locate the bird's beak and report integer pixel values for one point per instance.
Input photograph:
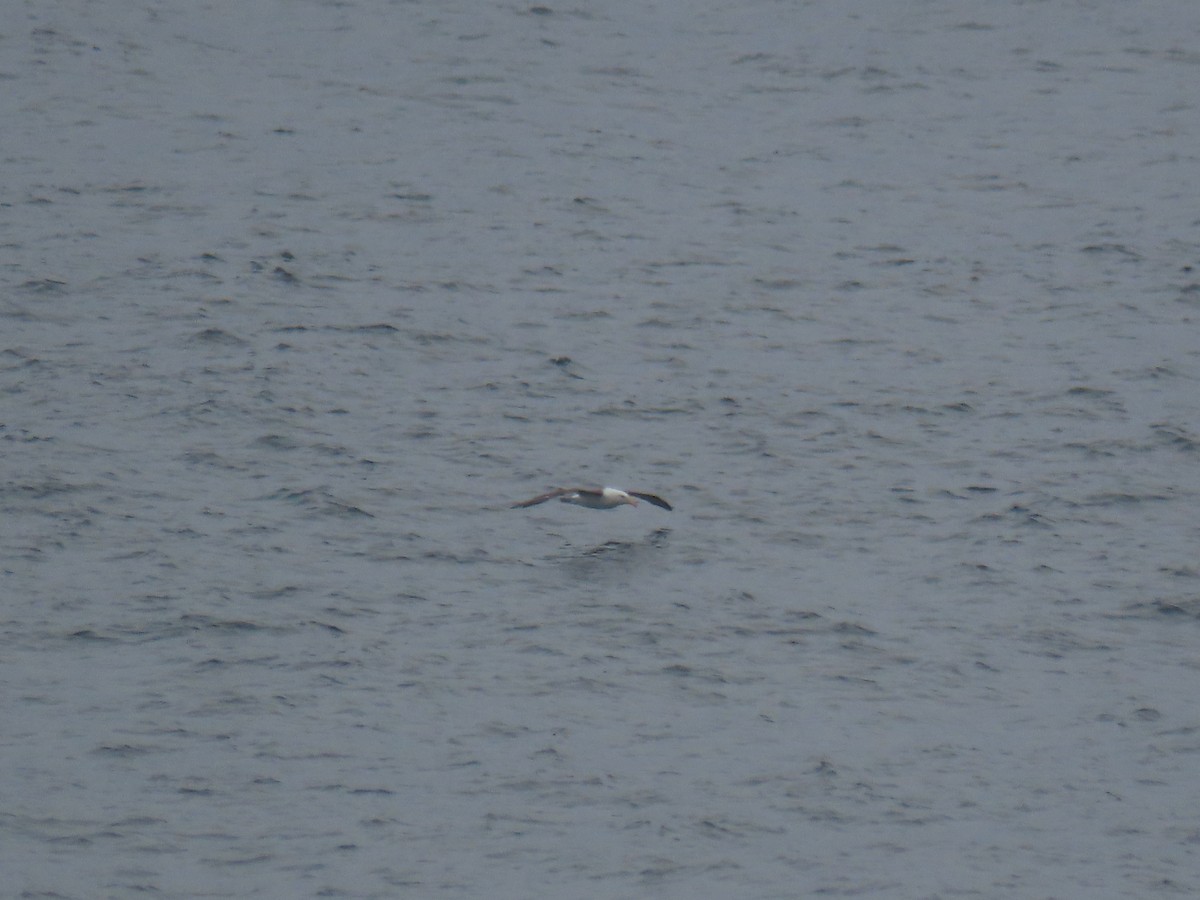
(632, 501)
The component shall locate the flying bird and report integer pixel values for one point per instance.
(595, 498)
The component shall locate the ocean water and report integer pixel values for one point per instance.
(895, 302)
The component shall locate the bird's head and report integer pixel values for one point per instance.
(620, 496)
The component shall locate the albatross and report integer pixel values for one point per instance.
(595, 498)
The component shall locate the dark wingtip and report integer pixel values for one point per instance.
(654, 501)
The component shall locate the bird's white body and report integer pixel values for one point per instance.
(607, 498)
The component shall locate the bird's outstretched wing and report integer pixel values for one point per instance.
(542, 498)
(650, 498)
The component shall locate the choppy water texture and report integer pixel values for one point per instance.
(896, 302)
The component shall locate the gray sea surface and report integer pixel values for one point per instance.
(896, 302)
